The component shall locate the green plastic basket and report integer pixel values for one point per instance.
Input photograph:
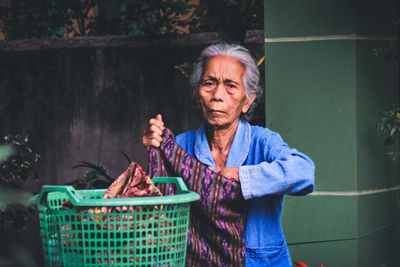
(147, 231)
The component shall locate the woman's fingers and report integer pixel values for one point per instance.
(153, 135)
(158, 122)
(231, 173)
(156, 136)
(154, 121)
(154, 141)
(155, 129)
(159, 117)
(151, 140)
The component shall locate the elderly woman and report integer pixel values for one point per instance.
(225, 83)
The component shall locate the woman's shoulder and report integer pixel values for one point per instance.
(261, 133)
(187, 140)
(186, 136)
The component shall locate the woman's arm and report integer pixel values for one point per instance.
(285, 171)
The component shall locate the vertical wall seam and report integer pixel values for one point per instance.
(356, 142)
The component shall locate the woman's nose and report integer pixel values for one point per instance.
(218, 93)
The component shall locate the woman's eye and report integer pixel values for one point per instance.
(208, 84)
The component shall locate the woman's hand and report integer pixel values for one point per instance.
(152, 136)
(231, 173)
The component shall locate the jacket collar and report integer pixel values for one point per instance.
(239, 148)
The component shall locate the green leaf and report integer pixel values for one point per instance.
(101, 170)
(11, 197)
(101, 184)
(393, 131)
(5, 152)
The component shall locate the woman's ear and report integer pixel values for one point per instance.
(249, 101)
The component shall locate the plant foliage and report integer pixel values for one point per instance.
(25, 19)
(48, 18)
(18, 163)
(34, 19)
(96, 177)
(230, 18)
(390, 125)
(21, 164)
(137, 17)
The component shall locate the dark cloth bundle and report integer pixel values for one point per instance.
(133, 182)
(216, 227)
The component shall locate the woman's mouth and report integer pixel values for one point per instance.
(215, 111)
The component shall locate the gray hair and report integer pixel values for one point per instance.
(251, 75)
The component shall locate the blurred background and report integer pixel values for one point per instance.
(79, 80)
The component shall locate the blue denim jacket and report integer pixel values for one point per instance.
(268, 169)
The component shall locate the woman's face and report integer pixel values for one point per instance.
(221, 96)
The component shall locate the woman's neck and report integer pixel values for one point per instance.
(220, 141)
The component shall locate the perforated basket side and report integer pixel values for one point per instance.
(50, 228)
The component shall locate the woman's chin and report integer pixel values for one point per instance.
(218, 124)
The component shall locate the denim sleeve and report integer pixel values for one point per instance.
(285, 171)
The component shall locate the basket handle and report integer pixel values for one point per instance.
(178, 181)
(184, 195)
(68, 190)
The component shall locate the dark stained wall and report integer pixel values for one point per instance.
(87, 104)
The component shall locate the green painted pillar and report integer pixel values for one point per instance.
(324, 89)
